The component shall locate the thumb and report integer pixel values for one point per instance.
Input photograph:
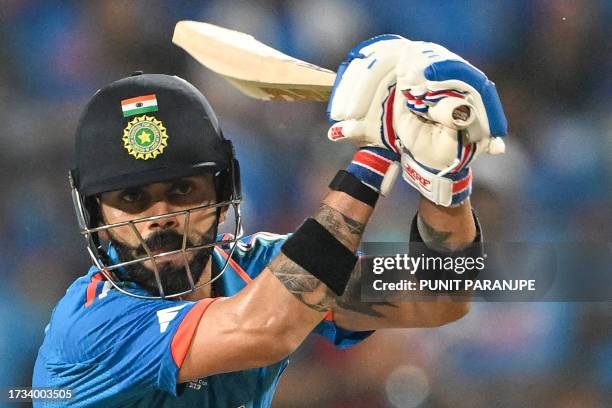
(359, 132)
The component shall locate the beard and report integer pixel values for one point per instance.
(173, 277)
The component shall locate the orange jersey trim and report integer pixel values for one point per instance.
(241, 272)
(91, 288)
(186, 330)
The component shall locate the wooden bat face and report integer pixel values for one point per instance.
(254, 68)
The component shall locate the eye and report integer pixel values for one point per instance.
(131, 196)
(182, 189)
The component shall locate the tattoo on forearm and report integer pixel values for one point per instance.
(351, 299)
(354, 227)
(345, 229)
(304, 286)
(435, 239)
(312, 292)
(301, 284)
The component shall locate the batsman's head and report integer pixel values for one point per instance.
(154, 177)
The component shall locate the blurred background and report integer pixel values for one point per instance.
(551, 61)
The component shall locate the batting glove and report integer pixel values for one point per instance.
(361, 109)
(447, 113)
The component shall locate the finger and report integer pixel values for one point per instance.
(335, 132)
(355, 91)
(416, 57)
(361, 133)
(361, 68)
(353, 130)
(361, 84)
(334, 107)
(464, 72)
(370, 77)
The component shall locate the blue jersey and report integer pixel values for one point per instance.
(116, 350)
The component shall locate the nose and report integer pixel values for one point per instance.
(159, 208)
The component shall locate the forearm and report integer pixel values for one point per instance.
(443, 230)
(446, 228)
(345, 218)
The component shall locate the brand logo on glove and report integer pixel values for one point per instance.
(417, 177)
(336, 133)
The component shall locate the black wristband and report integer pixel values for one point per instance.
(348, 183)
(316, 250)
(418, 248)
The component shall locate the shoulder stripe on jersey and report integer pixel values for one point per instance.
(92, 287)
(266, 236)
(245, 276)
(186, 330)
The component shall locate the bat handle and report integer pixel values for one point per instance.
(453, 112)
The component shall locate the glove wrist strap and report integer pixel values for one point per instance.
(439, 187)
(376, 167)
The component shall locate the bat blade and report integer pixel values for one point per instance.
(254, 68)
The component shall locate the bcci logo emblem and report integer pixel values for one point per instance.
(145, 137)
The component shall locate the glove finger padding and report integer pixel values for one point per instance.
(414, 61)
(429, 73)
(463, 76)
(375, 128)
(361, 110)
(363, 95)
(478, 128)
(360, 132)
(447, 115)
(361, 74)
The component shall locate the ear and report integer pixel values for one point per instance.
(104, 235)
(223, 214)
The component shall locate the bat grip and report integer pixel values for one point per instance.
(453, 112)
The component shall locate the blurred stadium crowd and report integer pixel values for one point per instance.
(551, 61)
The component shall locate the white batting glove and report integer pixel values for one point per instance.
(361, 109)
(446, 113)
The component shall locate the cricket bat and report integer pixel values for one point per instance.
(262, 72)
(254, 68)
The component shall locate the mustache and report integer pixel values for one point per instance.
(174, 278)
(167, 240)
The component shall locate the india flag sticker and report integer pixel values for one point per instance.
(138, 105)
